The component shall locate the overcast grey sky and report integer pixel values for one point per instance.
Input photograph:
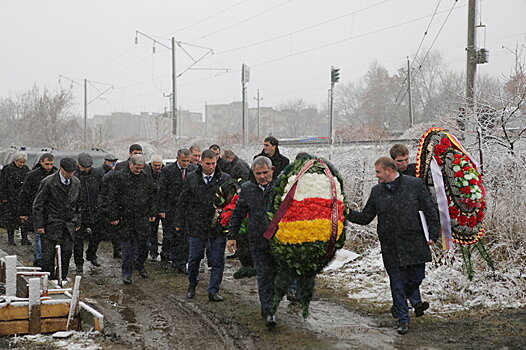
(290, 45)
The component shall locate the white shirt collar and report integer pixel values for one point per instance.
(62, 178)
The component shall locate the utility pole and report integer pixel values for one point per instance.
(471, 56)
(259, 119)
(245, 78)
(85, 109)
(411, 119)
(84, 85)
(174, 90)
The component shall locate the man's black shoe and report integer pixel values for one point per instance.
(190, 292)
(127, 279)
(153, 256)
(94, 262)
(79, 268)
(143, 273)
(233, 256)
(403, 327)
(165, 264)
(26, 242)
(11, 241)
(214, 297)
(420, 308)
(183, 270)
(270, 321)
(393, 311)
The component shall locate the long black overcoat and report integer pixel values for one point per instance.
(400, 231)
(90, 185)
(57, 206)
(131, 201)
(195, 207)
(11, 180)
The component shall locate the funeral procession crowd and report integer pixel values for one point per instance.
(73, 202)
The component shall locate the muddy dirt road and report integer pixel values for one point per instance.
(154, 313)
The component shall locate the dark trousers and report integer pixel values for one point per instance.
(153, 237)
(94, 237)
(265, 272)
(243, 249)
(134, 254)
(404, 282)
(197, 248)
(168, 237)
(179, 248)
(49, 252)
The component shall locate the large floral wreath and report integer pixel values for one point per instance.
(307, 224)
(453, 176)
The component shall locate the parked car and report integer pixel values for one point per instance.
(6, 155)
(95, 153)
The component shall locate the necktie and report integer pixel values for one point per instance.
(208, 179)
(183, 174)
(66, 182)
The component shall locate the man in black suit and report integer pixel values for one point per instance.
(170, 185)
(195, 212)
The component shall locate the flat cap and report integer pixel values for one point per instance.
(68, 164)
(110, 157)
(85, 160)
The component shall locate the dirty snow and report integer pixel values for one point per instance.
(78, 341)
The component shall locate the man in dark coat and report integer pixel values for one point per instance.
(238, 168)
(255, 200)
(90, 183)
(171, 181)
(134, 149)
(397, 200)
(400, 154)
(156, 166)
(56, 215)
(109, 163)
(11, 179)
(28, 193)
(108, 231)
(131, 206)
(221, 162)
(271, 150)
(195, 212)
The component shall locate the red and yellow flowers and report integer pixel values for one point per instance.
(308, 219)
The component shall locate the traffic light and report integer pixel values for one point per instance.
(335, 75)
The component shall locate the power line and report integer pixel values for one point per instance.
(112, 60)
(242, 21)
(438, 34)
(302, 29)
(206, 18)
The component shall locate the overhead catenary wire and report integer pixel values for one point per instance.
(302, 29)
(242, 21)
(206, 18)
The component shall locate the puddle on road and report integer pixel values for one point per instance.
(353, 330)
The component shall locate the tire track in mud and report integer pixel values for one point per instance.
(152, 314)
